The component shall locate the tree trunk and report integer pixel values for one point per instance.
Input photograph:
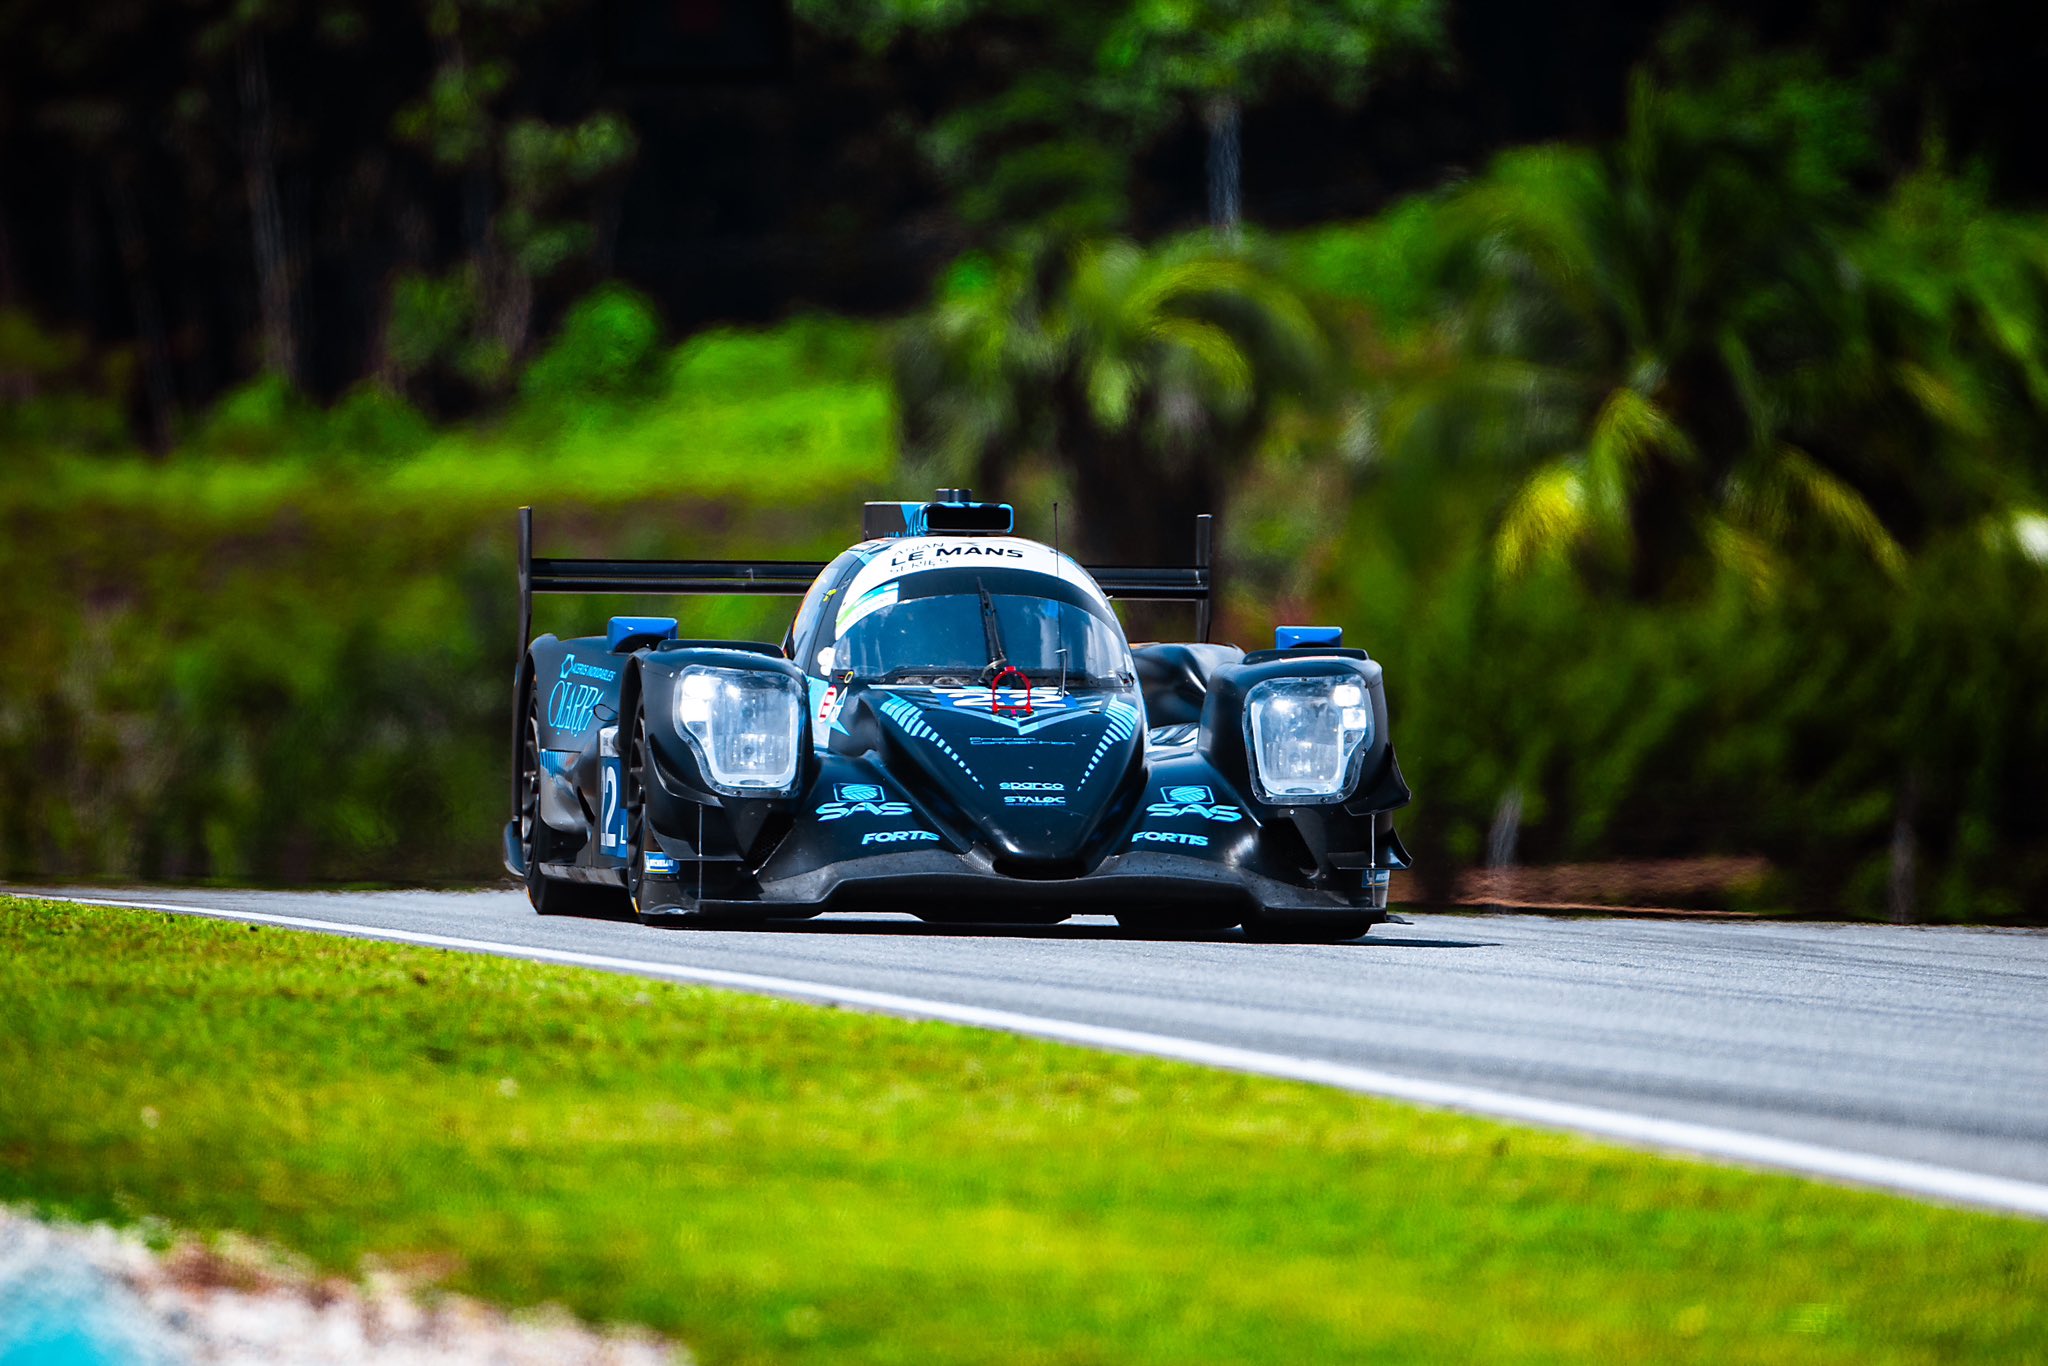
(1503, 840)
(266, 219)
(160, 397)
(1225, 167)
(9, 286)
(16, 386)
(1904, 898)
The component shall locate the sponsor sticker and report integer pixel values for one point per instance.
(1191, 799)
(571, 705)
(1014, 740)
(829, 705)
(1034, 787)
(1033, 799)
(900, 837)
(570, 665)
(859, 799)
(1170, 837)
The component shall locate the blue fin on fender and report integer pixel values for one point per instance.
(630, 633)
(1292, 637)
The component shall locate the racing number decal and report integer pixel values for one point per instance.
(611, 834)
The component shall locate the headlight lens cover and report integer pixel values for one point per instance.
(1306, 737)
(744, 725)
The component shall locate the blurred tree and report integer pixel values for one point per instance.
(1073, 91)
(1162, 60)
(521, 176)
(1149, 376)
(1649, 331)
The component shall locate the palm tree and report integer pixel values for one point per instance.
(1648, 335)
(1149, 376)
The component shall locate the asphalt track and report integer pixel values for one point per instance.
(1915, 1058)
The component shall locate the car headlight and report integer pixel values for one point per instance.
(1307, 736)
(744, 725)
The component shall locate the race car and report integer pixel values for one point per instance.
(954, 726)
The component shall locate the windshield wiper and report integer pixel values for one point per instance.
(992, 632)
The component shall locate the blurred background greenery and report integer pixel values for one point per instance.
(1660, 391)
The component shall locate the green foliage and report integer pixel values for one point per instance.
(1650, 332)
(262, 418)
(1158, 52)
(1078, 90)
(289, 664)
(771, 1181)
(1146, 374)
(431, 319)
(55, 394)
(607, 349)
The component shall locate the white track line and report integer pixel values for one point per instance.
(1706, 1140)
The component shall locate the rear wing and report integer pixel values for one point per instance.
(793, 578)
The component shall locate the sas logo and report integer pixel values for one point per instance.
(1191, 799)
(859, 799)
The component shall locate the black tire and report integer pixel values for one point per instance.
(549, 895)
(633, 756)
(1321, 929)
(635, 762)
(1175, 924)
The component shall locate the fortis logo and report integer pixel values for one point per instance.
(1191, 800)
(859, 799)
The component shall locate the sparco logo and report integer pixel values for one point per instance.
(1034, 787)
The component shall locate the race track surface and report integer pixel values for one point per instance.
(1923, 1044)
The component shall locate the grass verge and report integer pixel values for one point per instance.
(779, 1182)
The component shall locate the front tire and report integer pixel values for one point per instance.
(1320, 929)
(548, 895)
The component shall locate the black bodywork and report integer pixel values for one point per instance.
(945, 799)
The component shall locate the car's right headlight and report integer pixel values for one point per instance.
(1306, 737)
(744, 725)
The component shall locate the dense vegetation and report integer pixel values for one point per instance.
(1688, 475)
(769, 1181)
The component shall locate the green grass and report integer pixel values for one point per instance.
(773, 1181)
(802, 413)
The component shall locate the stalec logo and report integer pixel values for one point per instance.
(1191, 799)
(859, 799)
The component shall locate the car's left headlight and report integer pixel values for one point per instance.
(745, 727)
(1306, 737)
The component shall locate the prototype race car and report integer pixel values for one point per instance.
(954, 726)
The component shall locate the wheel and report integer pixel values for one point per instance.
(549, 895)
(636, 763)
(1321, 929)
(1175, 924)
(634, 754)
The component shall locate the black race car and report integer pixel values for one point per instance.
(956, 727)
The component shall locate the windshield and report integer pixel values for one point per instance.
(964, 626)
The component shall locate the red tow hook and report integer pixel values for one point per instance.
(995, 700)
